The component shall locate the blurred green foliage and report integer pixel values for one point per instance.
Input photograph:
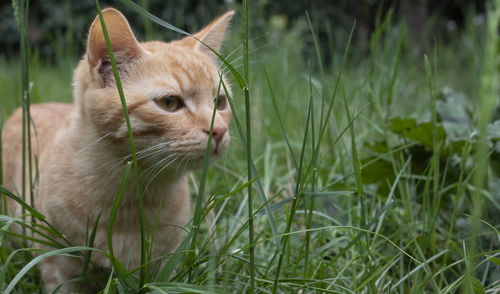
(51, 19)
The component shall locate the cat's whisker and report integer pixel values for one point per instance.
(149, 154)
(161, 146)
(145, 151)
(184, 158)
(185, 166)
(150, 170)
(155, 156)
(96, 141)
(146, 157)
(113, 164)
(161, 166)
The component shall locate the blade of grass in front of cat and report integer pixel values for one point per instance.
(26, 206)
(107, 289)
(220, 199)
(246, 90)
(32, 239)
(7, 265)
(174, 259)
(144, 239)
(21, 10)
(39, 258)
(32, 228)
(3, 198)
(201, 190)
(90, 243)
(120, 269)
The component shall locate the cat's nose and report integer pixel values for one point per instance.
(217, 133)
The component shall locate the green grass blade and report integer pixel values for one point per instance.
(249, 148)
(419, 267)
(107, 289)
(116, 205)
(354, 153)
(144, 240)
(174, 259)
(258, 183)
(380, 213)
(316, 45)
(152, 17)
(323, 127)
(198, 209)
(207, 209)
(7, 220)
(297, 194)
(26, 237)
(25, 205)
(487, 102)
(90, 243)
(5, 267)
(278, 117)
(3, 199)
(394, 74)
(120, 269)
(37, 259)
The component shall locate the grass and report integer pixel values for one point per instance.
(364, 184)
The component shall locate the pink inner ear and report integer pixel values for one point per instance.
(123, 41)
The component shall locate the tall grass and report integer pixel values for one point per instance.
(353, 197)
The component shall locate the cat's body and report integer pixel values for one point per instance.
(84, 147)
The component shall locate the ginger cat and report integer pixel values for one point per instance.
(170, 90)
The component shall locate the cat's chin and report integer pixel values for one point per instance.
(198, 162)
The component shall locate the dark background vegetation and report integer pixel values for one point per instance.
(427, 20)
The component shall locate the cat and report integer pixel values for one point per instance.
(170, 90)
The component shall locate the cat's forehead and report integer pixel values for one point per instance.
(174, 59)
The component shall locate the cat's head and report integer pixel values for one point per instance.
(170, 90)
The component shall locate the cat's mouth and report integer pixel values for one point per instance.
(217, 151)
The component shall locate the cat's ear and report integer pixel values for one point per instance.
(124, 44)
(212, 35)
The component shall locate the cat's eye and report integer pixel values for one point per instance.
(170, 103)
(221, 103)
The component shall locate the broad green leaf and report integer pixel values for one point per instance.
(410, 129)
